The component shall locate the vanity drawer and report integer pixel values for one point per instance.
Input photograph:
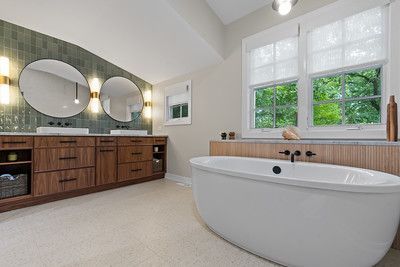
(135, 153)
(16, 142)
(129, 141)
(53, 159)
(62, 181)
(131, 171)
(64, 141)
(160, 140)
(106, 141)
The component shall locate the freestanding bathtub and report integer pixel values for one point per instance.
(307, 215)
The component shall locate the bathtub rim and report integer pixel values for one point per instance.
(323, 185)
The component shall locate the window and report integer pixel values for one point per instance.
(272, 70)
(178, 104)
(351, 98)
(276, 106)
(325, 72)
(179, 111)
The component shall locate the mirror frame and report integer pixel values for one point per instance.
(141, 94)
(22, 94)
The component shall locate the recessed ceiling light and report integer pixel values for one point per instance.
(283, 6)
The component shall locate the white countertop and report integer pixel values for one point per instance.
(64, 134)
(314, 142)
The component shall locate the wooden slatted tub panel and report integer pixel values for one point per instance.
(379, 158)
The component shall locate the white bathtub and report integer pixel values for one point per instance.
(308, 215)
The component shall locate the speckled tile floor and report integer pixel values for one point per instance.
(150, 224)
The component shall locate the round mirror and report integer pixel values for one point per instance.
(121, 99)
(54, 88)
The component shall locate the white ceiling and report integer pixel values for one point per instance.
(230, 10)
(147, 38)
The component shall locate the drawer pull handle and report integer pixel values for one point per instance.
(160, 140)
(136, 170)
(106, 141)
(67, 180)
(15, 142)
(107, 150)
(68, 142)
(136, 141)
(136, 153)
(67, 158)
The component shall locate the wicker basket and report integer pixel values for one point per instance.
(13, 188)
(157, 165)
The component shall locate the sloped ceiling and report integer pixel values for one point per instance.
(147, 38)
(230, 10)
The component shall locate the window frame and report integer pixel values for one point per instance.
(325, 15)
(343, 99)
(173, 90)
(275, 106)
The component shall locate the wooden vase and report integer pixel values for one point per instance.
(392, 123)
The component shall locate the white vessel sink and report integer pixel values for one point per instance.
(129, 132)
(62, 130)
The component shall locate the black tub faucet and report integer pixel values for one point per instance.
(296, 153)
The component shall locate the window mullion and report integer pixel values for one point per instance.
(343, 99)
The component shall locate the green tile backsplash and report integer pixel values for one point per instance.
(23, 46)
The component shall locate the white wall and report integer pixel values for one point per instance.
(216, 91)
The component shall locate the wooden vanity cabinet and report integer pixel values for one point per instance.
(106, 160)
(59, 167)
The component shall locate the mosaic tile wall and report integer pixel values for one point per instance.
(23, 46)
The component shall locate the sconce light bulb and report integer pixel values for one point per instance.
(4, 94)
(147, 96)
(95, 105)
(147, 112)
(4, 66)
(285, 7)
(95, 85)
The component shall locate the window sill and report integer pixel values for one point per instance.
(374, 133)
(314, 142)
(176, 122)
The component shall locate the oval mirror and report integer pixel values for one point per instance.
(54, 88)
(121, 99)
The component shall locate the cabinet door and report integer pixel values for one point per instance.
(106, 165)
(54, 159)
(129, 154)
(61, 181)
(132, 171)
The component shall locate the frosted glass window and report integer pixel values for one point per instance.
(356, 40)
(273, 62)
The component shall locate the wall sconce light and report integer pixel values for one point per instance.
(4, 80)
(95, 86)
(147, 104)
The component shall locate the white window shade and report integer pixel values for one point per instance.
(354, 41)
(274, 62)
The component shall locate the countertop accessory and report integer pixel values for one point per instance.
(223, 136)
(290, 133)
(232, 135)
(12, 156)
(392, 123)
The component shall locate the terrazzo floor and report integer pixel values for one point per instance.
(149, 224)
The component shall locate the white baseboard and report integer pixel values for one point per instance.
(187, 181)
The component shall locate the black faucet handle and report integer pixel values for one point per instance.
(297, 153)
(50, 123)
(310, 154)
(286, 152)
(67, 124)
